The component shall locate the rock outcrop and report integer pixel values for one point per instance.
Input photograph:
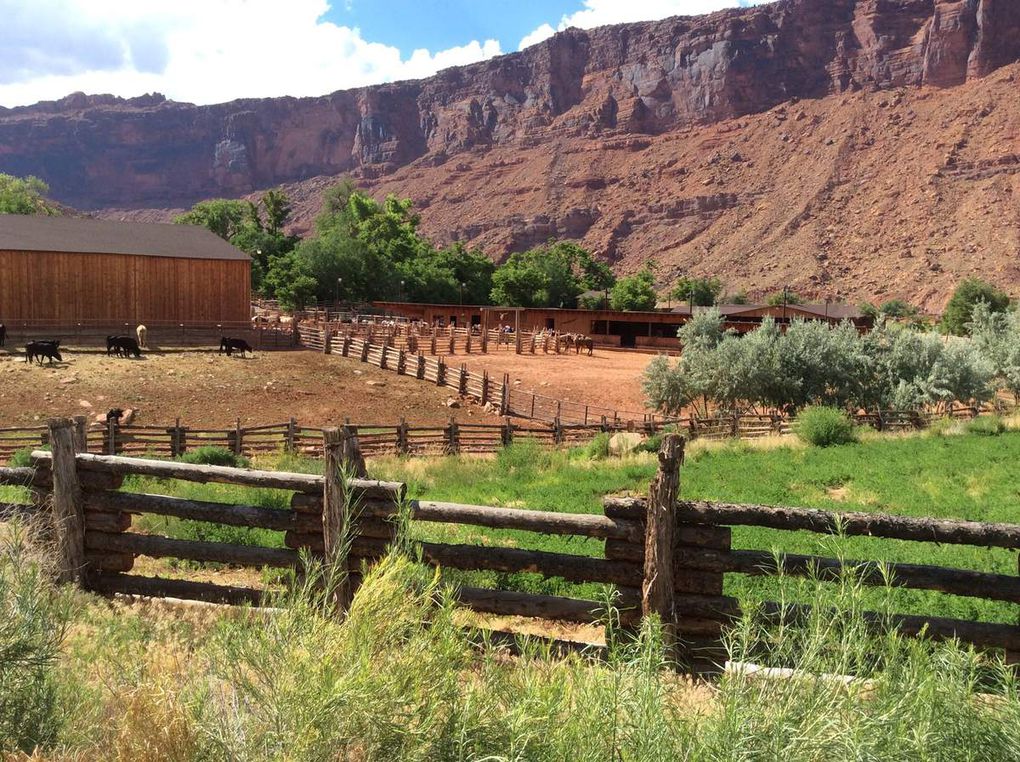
(645, 78)
(737, 143)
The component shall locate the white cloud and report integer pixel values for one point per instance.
(204, 51)
(601, 12)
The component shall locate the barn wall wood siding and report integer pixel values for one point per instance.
(117, 287)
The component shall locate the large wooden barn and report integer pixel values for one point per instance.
(60, 270)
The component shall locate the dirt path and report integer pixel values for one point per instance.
(606, 379)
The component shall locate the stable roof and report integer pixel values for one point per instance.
(23, 232)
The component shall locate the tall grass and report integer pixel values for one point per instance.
(399, 679)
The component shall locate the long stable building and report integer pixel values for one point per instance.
(65, 270)
(617, 328)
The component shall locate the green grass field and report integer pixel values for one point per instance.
(964, 476)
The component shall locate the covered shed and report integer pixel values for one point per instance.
(65, 270)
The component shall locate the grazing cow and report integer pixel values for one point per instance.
(3, 334)
(142, 332)
(228, 345)
(40, 349)
(124, 346)
(111, 345)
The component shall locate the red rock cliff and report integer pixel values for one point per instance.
(635, 79)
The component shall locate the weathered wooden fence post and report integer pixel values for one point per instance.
(289, 443)
(462, 380)
(365, 344)
(504, 395)
(419, 370)
(507, 432)
(350, 450)
(68, 504)
(485, 388)
(453, 437)
(557, 431)
(111, 436)
(81, 433)
(403, 446)
(336, 518)
(401, 362)
(440, 372)
(327, 339)
(657, 588)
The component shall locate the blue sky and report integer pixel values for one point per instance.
(208, 51)
(441, 24)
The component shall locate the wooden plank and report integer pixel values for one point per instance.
(512, 603)
(982, 634)
(17, 477)
(157, 587)
(223, 474)
(156, 546)
(947, 531)
(1000, 587)
(195, 510)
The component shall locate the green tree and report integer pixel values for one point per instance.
(290, 281)
(223, 216)
(596, 275)
(959, 311)
(898, 308)
(636, 292)
(25, 195)
(540, 277)
(700, 292)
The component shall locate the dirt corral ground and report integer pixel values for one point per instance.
(209, 389)
(214, 390)
(609, 379)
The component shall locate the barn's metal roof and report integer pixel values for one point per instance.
(22, 232)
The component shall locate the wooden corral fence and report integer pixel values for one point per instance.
(663, 555)
(161, 335)
(376, 439)
(454, 437)
(496, 392)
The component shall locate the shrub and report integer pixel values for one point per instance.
(35, 620)
(943, 427)
(21, 458)
(598, 448)
(209, 455)
(986, 425)
(825, 426)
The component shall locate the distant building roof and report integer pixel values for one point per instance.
(22, 232)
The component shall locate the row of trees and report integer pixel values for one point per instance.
(895, 366)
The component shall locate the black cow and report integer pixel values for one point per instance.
(228, 345)
(111, 345)
(41, 349)
(124, 346)
(3, 334)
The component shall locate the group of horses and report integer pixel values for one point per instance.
(578, 341)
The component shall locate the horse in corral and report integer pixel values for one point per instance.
(142, 333)
(585, 342)
(229, 345)
(567, 339)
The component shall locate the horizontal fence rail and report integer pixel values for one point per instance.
(663, 554)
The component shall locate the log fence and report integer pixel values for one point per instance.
(664, 555)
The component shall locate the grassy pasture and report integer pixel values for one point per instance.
(963, 476)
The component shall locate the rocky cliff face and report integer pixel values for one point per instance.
(851, 148)
(647, 78)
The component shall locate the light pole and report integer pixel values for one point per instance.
(401, 290)
(339, 285)
(462, 284)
